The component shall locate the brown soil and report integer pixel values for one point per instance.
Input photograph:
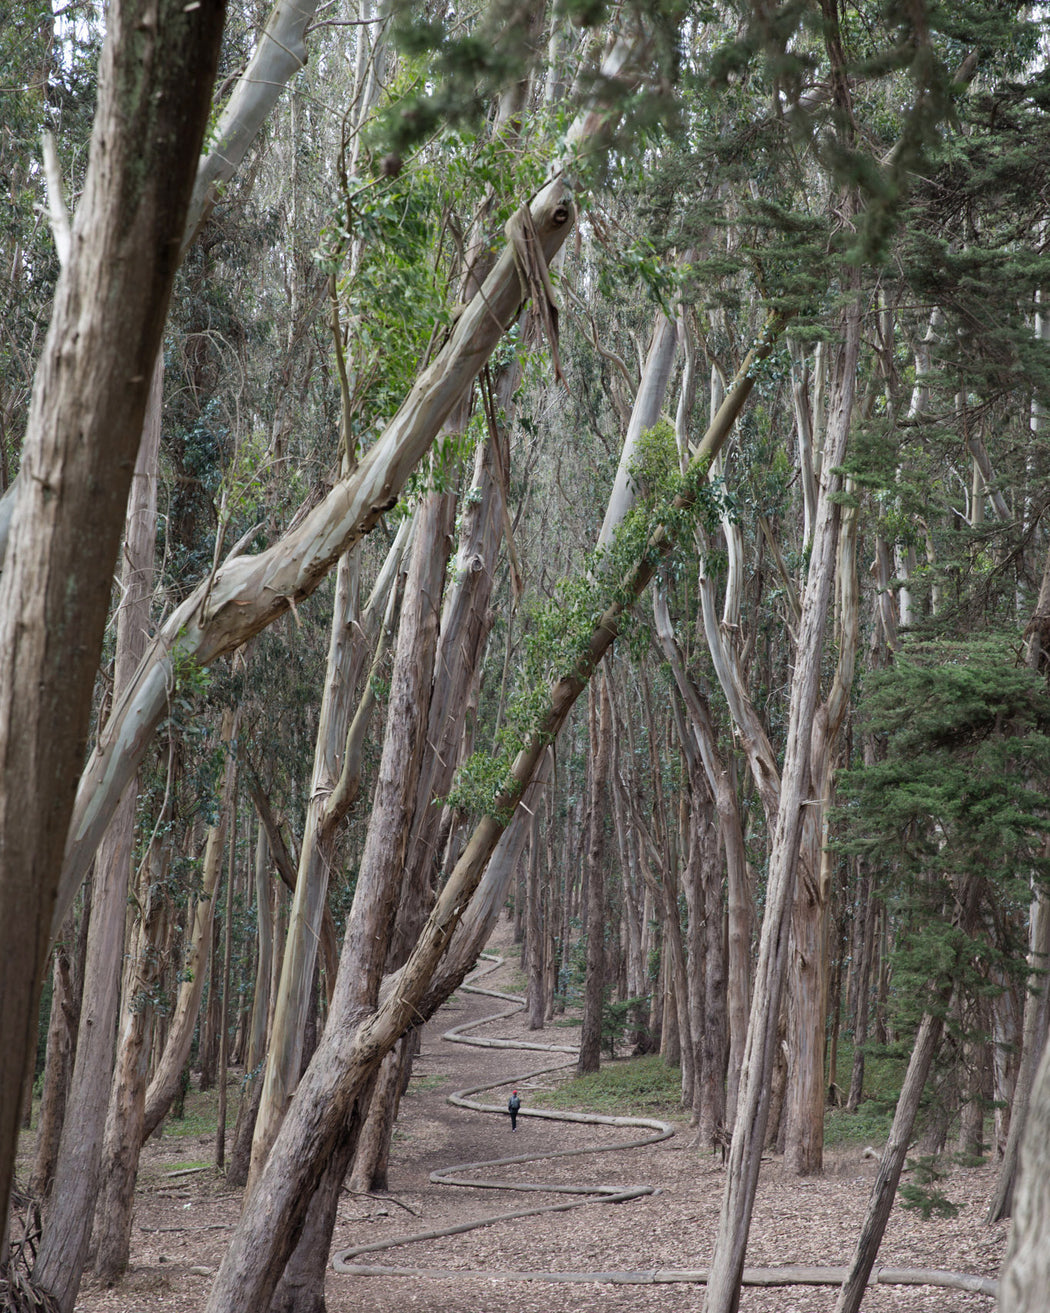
(183, 1222)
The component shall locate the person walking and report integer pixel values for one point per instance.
(513, 1104)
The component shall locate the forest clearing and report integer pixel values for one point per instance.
(579, 461)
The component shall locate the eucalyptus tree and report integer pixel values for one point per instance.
(83, 432)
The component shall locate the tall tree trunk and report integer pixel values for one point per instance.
(808, 992)
(745, 1153)
(1025, 1276)
(224, 1009)
(862, 988)
(722, 784)
(126, 1126)
(535, 941)
(594, 985)
(64, 1243)
(381, 875)
(1035, 1021)
(240, 1155)
(89, 398)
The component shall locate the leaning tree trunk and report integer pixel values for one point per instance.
(721, 781)
(380, 877)
(892, 1163)
(89, 399)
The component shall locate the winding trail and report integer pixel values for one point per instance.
(464, 1174)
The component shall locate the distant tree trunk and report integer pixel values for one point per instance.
(208, 1051)
(240, 1155)
(179, 1040)
(862, 987)
(61, 1033)
(535, 938)
(715, 1021)
(224, 1009)
(1035, 1022)
(120, 1156)
(594, 986)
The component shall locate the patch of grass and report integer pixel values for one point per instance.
(202, 1113)
(884, 1070)
(870, 1124)
(189, 1165)
(568, 1022)
(643, 1086)
(420, 1084)
(205, 1122)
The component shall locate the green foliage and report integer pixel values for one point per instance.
(922, 1194)
(660, 524)
(955, 813)
(618, 1017)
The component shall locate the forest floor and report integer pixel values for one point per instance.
(183, 1222)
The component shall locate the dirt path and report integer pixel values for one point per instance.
(182, 1223)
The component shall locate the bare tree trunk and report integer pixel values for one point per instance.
(248, 1110)
(862, 989)
(89, 398)
(383, 860)
(67, 1232)
(745, 1153)
(808, 993)
(721, 782)
(534, 940)
(61, 1033)
(224, 1009)
(1025, 1276)
(1037, 995)
(594, 987)
(1033, 1042)
(179, 1040)
(208, 1051)
(124, 1122)
(885, 1187)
